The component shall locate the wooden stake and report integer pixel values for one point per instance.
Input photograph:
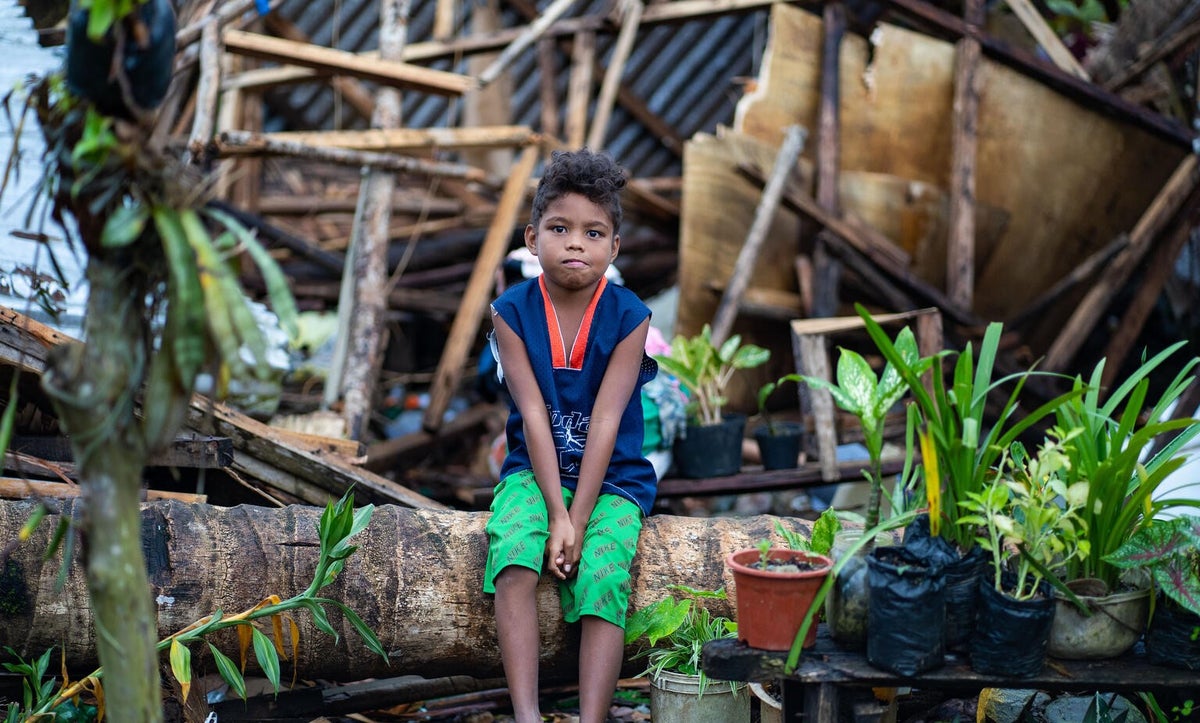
(632, 19)
(548, 95)
(826, 268)
(579, 88)
(206, 91)
(1047, 38)
(785, 166)
(479, 288)
(960, 244)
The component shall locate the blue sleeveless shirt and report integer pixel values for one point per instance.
(569, 380)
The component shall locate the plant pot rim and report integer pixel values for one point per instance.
(735, 564)
(1112, 597)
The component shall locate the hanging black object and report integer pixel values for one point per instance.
(147, 58)
(962, 573)
(1011, 636)
(1173, 636)
(906, 611)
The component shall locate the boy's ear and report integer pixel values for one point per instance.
(616, 246)
(531, 239)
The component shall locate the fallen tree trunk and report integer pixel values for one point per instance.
(415, 580)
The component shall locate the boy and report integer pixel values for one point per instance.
(574, 486)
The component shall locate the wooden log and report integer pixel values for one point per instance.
(1161, 211)
(392, 73)
(415, 580)
(207, 91)
(630, 22)
(960, 244)
(479, 288)
(739, 280)
(187, 450)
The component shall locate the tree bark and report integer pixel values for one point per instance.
(92, 389)
(416, 580)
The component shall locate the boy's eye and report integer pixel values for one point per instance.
(558, 228)
(594, 234)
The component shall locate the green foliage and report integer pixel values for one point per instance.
(102, 14)
(966, 449)
(675, 631)
(823, 531)
(1170, 550)
(1100, 711)
(1106, 448)
(37, 691)
(705, 369)
(765, 392)
(339, 523)
(1028, 518)
(859, 392)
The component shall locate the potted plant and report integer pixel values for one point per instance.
(774, 588)
(673, 631)
(959, 452)
(1170, 551)
(1028, 520)
(778, 442)
(1107, 447)
(711, 444)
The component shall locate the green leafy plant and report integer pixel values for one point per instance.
(1170, 551)
(824, 529)
(959, 450)
(764, 393)
(675, 629)
(37, 690)
(102, 14)
(859, 392)
(1100, 710)
(1028, 518)
(1107, 448)
(338, 524)
(705, 370)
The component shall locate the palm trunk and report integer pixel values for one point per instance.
(415, 580)
(92, 387)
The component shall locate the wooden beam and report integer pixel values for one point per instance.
(960, 242)
(1149, 288)
(527, 37)
(1047, 38)
(391, 73)
(17, 489)
(827, 270)
(479, 288)
(408, 140)
(207, 89)
(630, 22)
(764, 216)
(1160, 212)
(360, 98)
(547, 88)
(579, 88)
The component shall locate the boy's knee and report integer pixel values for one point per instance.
(516, 578)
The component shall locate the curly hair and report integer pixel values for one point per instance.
(594, 175)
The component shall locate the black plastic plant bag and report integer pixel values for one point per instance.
(962, 574)
(906, 611)
(1011, 636)
(1173, 636)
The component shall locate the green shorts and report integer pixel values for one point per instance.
(517, 534)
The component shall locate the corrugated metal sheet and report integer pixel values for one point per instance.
(686, 73)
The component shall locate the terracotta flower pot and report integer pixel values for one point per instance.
(772, 603)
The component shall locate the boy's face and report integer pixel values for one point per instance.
(574, 241)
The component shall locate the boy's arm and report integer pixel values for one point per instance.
(615, 391)
(522, 385)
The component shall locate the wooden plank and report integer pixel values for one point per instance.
(18, 489)
(806, 475)
(739, 280)
(1046, 38)
(26, 342)
(309, 463)
(391, 73)
(547, 87)
(406, 140)
(812, 359)
(357, 95)
(960, 244)
(836, 324)
(827, 271)
(479, 288)
(1161, 210)
(630, 22)
(579, 89)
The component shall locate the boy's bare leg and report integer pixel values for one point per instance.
(517, 633)
(601, 651)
